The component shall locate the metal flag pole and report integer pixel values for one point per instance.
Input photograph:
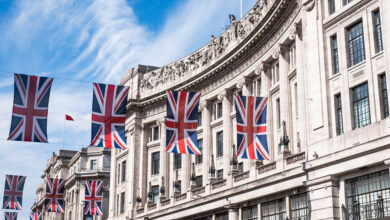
(240, 9)
(63, 131)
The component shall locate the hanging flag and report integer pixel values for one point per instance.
(109, 116)
(13, 192)
(251, 115)
(29, 113)
(68, 117)
(181, 122)
(35, 215)
(11, 215)
(54, 198)
(93, 197)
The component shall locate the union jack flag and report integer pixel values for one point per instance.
(11, 215)
(35, 215)
(13, 192)
(251, 115)
(54, 198)
(109, 116)
(181, 122)
(29, 113)
(93, 197)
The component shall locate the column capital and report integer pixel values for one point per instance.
(262, 67)
(225, 93)
(161, 120)
(295, 30)
(203, 104)
(243, 81)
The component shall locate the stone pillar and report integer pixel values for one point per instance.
(143, 155)
(384, 10)
(207, 144)
(164, 161)
(226, 96)
(185, 172)
(233, 213)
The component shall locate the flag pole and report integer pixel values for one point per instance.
(63, 131)
(240, 9)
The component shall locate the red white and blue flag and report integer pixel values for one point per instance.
(54, 198)
(10, 215)
(35, 215)
(251, 115)
(29, 113)
(181, 122)
(93, 197)
(13, 192)
(109, 116)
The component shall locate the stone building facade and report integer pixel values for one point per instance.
(323, 65)
(91, 163)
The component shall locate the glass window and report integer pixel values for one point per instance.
(199, 119)
(240, 167)
(296, 98)
(278, 121)
(383, 96)
(122, 202)
(155, 163)
(274, 210)
(177, 161)
(220, 174)
(119, 173)
(222, 216)
(275, 72)
(292, 56)
(199, 181)
(335, 54)
(361, 108)
(155, 190)
(178, 186)
(219, 144)
(338, 114)
(123, 171)
(347, 1)
(368, 197)
(250, 213)
(377, 31)
(156, 133)
(117, 204)
(93, 164)
(355, 44)
(331, 7)
(217, 110)
(199, 158)
(299, 207)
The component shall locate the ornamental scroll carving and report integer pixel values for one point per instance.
(217, 47)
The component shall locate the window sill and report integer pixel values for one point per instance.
(335, 76)
(356, 66)
(377, 54)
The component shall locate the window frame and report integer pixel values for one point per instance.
(378, 34)
(199, 158)
(299, 197)
(334, 50)
(155, 193)
(220, 175)
(92, 164)
(281, 206)
(176, 164)
(155, 163)
(383, 95)
(123, 173)
(253, 212)
(219, 143)
(352, 60)
(338, 108)
(357, 124)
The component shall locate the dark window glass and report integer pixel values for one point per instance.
(331, 6)
(335, 54)
(93, 164)
(219, 110)
(361, 108)
(155, 190)
(220, 174)
(123, 171)
(299, 208)
(117, 204)
(250, 213)
(122, 202)
(177, 161)
(199, 158)
(278, 113)
(355, 44)
(274, 210)
(222, 216)
(178, 188)
(155, 163)
(368, 197)
(199, 119)
(377, 31)
(383, 95)
(220, 144)
(199, 181)
(347, 1)
(156, 133)
(241, 167)
(338, 114)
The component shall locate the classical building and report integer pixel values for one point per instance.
(323, 66)
(91, 163)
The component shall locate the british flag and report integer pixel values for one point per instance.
(13, 192)
(11, 215)
(35, 215)
(29, 113)
(93, 197)
(54, 198)
(109, 116)
(251, 115)
(181, 122)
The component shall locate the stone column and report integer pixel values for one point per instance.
(384, 10)
(207, 151)
(164, 161)
(143, 155)
(233, 213)
(185, 172)
(226, 96)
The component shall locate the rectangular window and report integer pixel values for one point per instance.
(199, 158)
(222, 216)
(331, 7)
(199, 181)
(155, 163)
(122, 203)
(177, 161)
(93, 164)
(123, 171)
(217, 110)
(275, 72)
(119, 173)
(275, 209)
(219, 144)
(346, 1)
(220, 174)
(199, 119)
(155, 190)
(278, 121)
(383, 96)
(361, 108)
(178, 187)
(355, 44)
(335, 54)
(154, 133)
(250, 213)
(368, 196)
(299, 207)
(376, 17)
(240, 167)
(292, 57)
(296, 99)
(117, 204)
(338, 114)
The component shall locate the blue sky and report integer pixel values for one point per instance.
(78, 42)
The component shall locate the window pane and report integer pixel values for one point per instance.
(338, 114)
(199, 158)
(355, 44)
(250, 213)
(123, 171)
(361, 110)
(331, 6)
(220, 144)
(274, 210)
(377, 31)
(335, 54)
(299, 207)
(155, 163)
(383, 96)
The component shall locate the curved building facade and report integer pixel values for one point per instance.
(323, 66)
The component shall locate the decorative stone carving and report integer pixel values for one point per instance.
(309, 5)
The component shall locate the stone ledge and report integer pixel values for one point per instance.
(165, 202)
(296, 157)
(267, 167)
(181, 197)
(152, 206)
(198, 190)
(218, 184)
(140, 210)
(241, 176)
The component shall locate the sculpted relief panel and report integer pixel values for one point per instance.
(217, 47)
